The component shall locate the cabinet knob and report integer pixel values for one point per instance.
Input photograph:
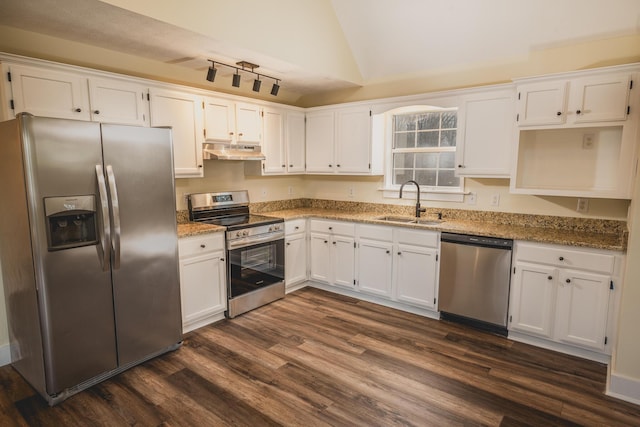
(326, 241)
(240, 134)
(337, 166)
(221, 259)
(559, 113)
(199, 166)
(561, 258)
(330, 228)
(288, 243)
(550, 277)
(290, 166)
(284, 166)
(230, 133)
(330, 166)
(399, 253)
(297, 228)
(203, 246)
(578, 112)
(388, 252)
(78, 110)
(460, 166)
(334, 243)
(568, 280)
(96, 112)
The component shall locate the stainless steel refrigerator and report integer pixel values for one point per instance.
(88, 248)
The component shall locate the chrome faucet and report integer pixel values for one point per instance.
(418, 209)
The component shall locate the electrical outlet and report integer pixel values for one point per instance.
(471, 198)
(352, 192)
(290, 191)
(495, 199)
(583, 205)
(588, 140)
(263, 192)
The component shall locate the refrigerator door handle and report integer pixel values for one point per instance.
(104, 249)
(115, 209)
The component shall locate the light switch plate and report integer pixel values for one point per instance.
(583, 205)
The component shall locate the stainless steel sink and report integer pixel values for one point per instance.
(410, 220)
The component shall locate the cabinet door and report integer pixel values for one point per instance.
(320, 257)
(600, 99)
(183, 113)
(353, 140)
(219, 118)
(416, 275)
(273, 143)
(203, 287)
(115, 101)
(295, 256)
(582, 306)
(542, 103)
(49, 93)
(533, 296)
(485, 135)
(295, 142)
(320, 139)
(374, 267)
(248, 124)
(343, 258)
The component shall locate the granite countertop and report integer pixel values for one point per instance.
(553, 235)
(539, 232)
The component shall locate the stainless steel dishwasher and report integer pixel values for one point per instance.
(475, 273)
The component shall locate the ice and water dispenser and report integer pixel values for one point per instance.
(71, 221)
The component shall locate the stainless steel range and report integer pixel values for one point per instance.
(255, 248)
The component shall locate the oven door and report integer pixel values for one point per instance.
(255, 266)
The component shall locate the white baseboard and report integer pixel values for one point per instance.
(5, 355)
(623, 387)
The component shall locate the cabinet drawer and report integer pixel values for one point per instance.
(295, 226)
(417, 237)
(568, 258)
(334, 227)
(376, 232)
(197, 245)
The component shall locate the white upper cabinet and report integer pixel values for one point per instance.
(49, 93)
(320, 142)
(577, 134)
(485, 134)
(115, 101)
(339, 141)
(588, 99)
(273, 143)
(295, 141)
(232, 122)
(181, 111)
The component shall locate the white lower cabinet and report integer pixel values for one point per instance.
(416, 275)
(202, 280)
(295, 252)
(565, 295)
(332, 246)
(374, 267)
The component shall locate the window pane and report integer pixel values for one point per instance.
(449, 120)
(426, 160)
(403, 160)
(426, 177)
(404, 122)
(402, 175)
(447, 160)
(428, 139)
(448, 138)
(447, 178)
(404, 140)
(429, 121)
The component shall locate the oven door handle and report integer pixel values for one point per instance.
(250, 241)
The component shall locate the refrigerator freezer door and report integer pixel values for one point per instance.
(146, 286)
(75, 294)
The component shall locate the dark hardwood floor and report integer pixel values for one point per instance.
(318, 359)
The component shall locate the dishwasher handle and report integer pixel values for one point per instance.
(484, 241)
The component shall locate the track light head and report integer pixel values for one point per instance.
(275, 88)
(211, 74)
(256, 84)
(236, 80)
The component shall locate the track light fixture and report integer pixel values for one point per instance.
(211, 72)
(246, 67)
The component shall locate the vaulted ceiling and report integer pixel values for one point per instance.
(326, 45)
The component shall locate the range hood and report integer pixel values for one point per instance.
(222, 151)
